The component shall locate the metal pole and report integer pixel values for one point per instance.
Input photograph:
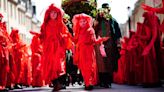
(129, 20)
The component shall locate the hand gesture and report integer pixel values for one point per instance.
(105, 38)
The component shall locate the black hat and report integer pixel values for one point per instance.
(105, 5)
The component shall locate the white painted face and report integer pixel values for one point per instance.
(82, 23)
(53, 15)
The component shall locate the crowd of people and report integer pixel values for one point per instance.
(141, 61)
(88, 52)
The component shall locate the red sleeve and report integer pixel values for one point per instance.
(43, 33)
(67, 37)
(91, 38)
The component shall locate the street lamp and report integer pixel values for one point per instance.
(129, 20)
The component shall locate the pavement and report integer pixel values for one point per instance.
(77, 88)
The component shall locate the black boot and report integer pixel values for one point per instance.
(62, 80)
(101, 83)
(68, 80)
(90, 87)
(56, 85)
(105, 80)
(18, 86)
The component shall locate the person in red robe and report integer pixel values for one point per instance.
(17, 51)
(84, 56)
(159, 49)
(148, 37)
(7, 45)
(55, 41)
(161, 64)
(131, 60)
(27, 68)
(36, 48)
(4, 56)
(119, 76)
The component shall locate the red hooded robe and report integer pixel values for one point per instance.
(84, 55)
(17, 52)
(54, 35)
(36, 49)
(148, 36)
(4, 55)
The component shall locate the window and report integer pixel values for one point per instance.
(5, 2)
(19, 17)
(15, 14)
(23, 18)
(11, 10)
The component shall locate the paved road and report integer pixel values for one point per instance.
(115, 88)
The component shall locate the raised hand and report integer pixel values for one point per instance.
(105, 38)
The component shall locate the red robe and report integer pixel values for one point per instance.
(53, 59)
(148, 36)
(54, 37)
(119, 76)
(17, 52)
(36, 49)
(159, 51)
(27, 67)
(86, 56)
(4, 62)
(4, 56)
(132, 59)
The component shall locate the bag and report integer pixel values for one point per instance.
(102, 50)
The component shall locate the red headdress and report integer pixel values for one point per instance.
(14, 35)
(150, 19)
(157, 10)
(52, 8)
(59, 18)
(76, 21)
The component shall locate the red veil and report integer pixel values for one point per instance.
(60, 25)
(76, 26)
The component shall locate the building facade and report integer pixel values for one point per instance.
(20, 14)
(137, 13)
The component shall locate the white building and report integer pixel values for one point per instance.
(20, 14)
